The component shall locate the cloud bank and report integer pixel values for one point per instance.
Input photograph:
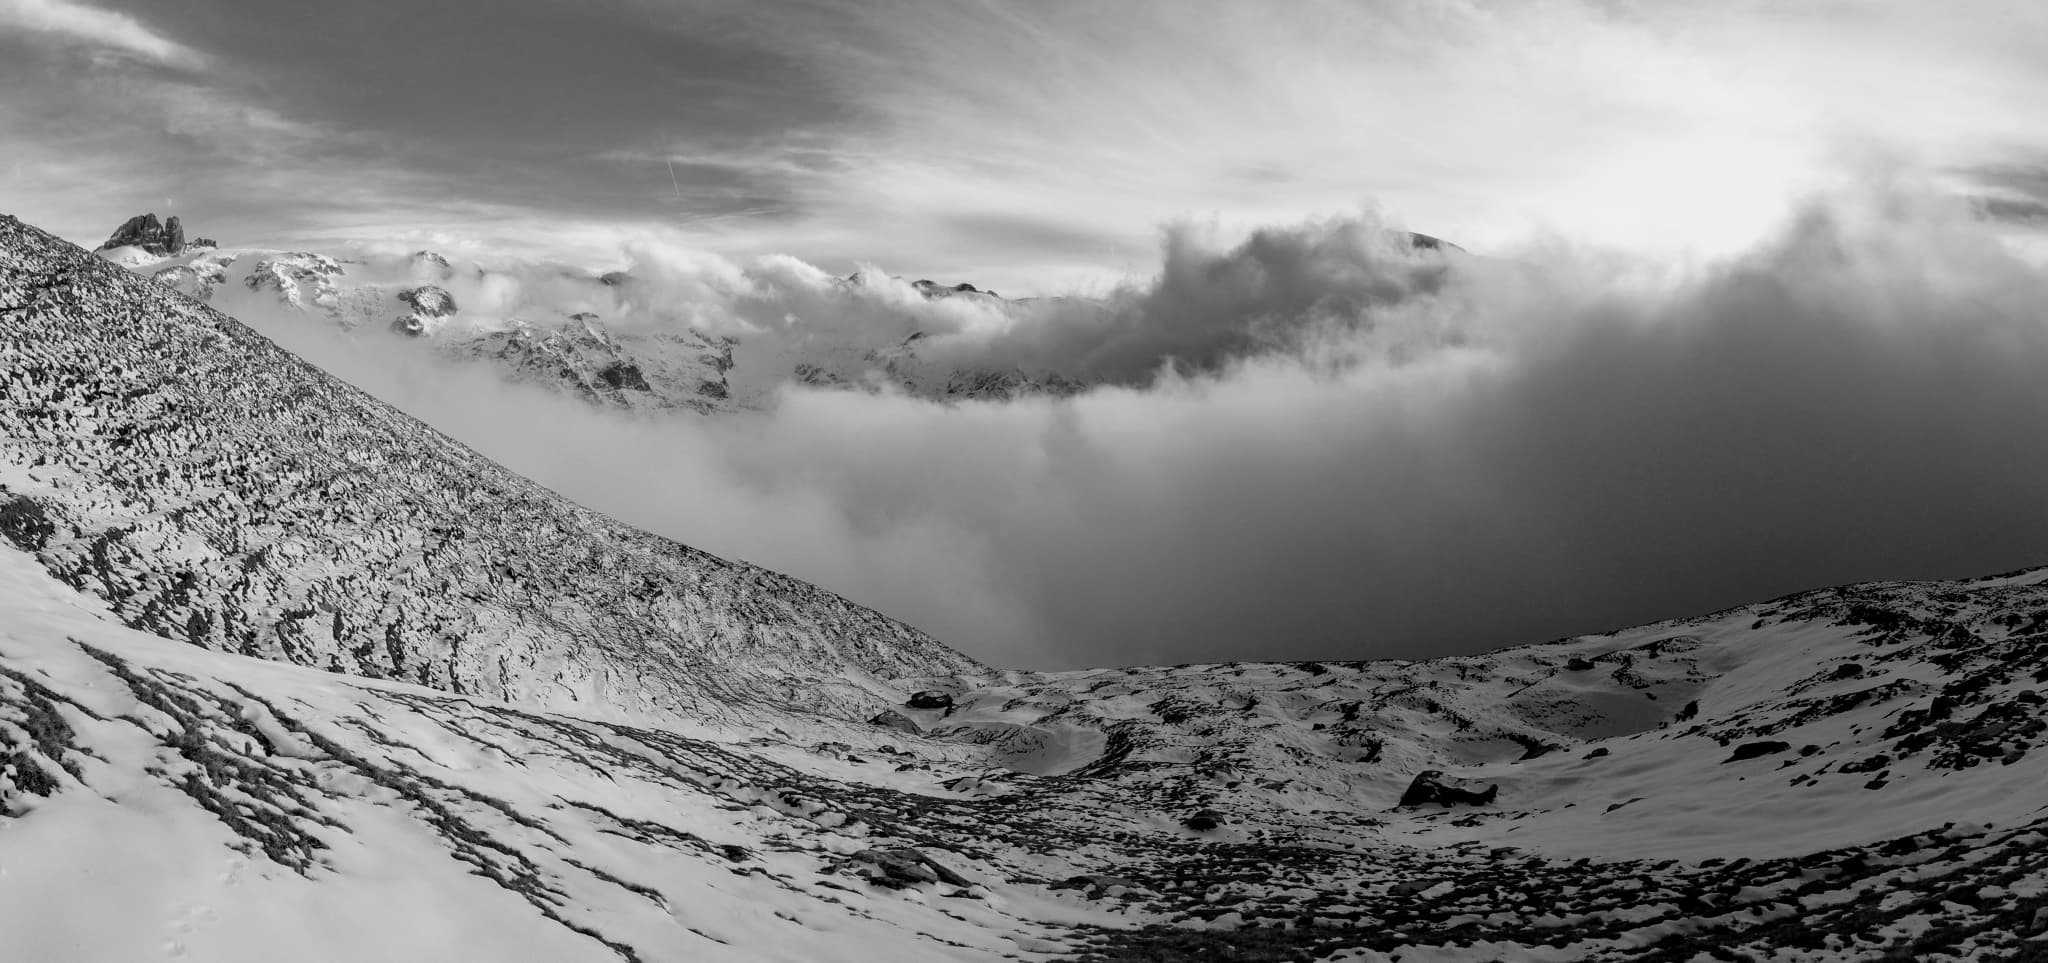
(1438, 456)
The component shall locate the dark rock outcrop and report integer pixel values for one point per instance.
(898, 868)
(930, 700)
(1430, 788)
(146, 232)
(1755, 750)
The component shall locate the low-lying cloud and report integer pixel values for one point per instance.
(1319, 443)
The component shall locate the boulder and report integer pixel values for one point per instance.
(1205, 820)
(1431, 786)
(891, 719)
(930, 700)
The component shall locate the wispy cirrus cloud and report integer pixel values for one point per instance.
(103, 30)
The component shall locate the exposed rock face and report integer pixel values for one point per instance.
(145, 232)
(930, 700)
(301, 520)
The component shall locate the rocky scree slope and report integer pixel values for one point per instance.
(162, 799)
(215, 489)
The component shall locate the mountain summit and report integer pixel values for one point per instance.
(144, 232)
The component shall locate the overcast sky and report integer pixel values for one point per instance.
(1757, 303)
(1027, 146)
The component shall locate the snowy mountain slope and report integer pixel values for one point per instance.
(1844, 774)
(168, 800)
(216, 490)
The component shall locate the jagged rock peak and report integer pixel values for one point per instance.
(144, 231)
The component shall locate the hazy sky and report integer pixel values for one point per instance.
(1758, 303)
(1027, 146)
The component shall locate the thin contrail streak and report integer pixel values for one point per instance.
(672, 178)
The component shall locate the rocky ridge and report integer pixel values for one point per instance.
(217, 490)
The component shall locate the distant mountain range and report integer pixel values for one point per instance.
(284, 671)
(564, 346)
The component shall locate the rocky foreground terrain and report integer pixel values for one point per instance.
(282, 667)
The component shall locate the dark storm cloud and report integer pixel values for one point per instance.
(1561, 442)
